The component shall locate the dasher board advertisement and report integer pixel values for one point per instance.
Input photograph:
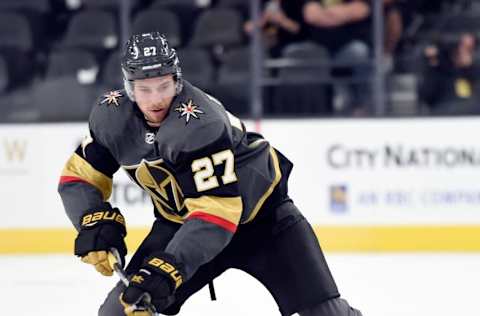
(352, 172)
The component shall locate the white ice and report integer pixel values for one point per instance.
(378, 284)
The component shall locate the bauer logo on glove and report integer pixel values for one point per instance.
(100, 216)
(168, 269)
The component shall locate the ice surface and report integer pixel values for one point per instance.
(378, 284)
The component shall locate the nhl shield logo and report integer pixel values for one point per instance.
(149, 138)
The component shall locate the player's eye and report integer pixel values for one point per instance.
(164, 87)
(144, 90)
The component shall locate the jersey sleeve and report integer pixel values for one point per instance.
(86, 179)
(209, 183)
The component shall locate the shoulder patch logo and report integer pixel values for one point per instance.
(112, 98)
(189, 110)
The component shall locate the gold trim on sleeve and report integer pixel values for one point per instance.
(78, 167)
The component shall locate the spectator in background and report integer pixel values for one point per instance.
(393, 29)
(344, 28)
(281, 22)
(451, 76)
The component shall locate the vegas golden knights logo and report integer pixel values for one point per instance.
(160, 184)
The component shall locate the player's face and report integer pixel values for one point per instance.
(154, 97)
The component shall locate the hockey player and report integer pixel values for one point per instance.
(219, 195)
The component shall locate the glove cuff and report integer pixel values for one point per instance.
(166, 264)
(104, 214)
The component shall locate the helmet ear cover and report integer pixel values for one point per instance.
(149, 55)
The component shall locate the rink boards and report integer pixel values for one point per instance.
(365, 185)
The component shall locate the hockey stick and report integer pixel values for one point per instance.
(145, 300)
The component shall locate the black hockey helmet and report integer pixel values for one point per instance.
(149, 55)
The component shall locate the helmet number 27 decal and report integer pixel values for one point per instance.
(149, 51)
(204, 170)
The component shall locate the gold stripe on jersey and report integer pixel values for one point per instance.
(228, 208)
(278, 176)
(78, 167)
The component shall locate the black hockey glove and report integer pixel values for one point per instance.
(159, 276)
(101, 229)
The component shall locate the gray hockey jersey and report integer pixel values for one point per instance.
(201, 168)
